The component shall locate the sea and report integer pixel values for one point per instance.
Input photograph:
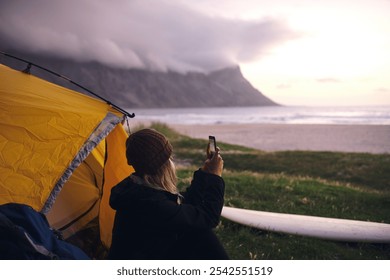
(361, 115)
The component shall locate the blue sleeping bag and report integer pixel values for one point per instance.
(26, 234)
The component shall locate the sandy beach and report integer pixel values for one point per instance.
(280, 137)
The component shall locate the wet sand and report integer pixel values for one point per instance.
(282, 137)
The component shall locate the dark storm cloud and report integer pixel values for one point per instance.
(146, 34)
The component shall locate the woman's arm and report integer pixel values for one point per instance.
(201, 212)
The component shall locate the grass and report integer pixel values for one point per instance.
(328, 184)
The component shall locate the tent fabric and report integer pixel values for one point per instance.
(105, 127)
(78, 201)
(116, 169)
(42, 128)
(56, 146)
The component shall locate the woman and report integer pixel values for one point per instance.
(154, 221)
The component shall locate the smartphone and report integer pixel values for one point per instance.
(212, 146)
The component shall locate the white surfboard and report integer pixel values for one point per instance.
(319, 227)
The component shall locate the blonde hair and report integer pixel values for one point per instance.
(164, 178)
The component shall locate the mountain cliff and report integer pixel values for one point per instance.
(152, 89)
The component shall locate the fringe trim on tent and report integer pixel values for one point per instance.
(104, 128)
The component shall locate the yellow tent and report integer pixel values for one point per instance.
(60, 152)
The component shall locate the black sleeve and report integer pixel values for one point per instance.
(201, 209)
(200, 187)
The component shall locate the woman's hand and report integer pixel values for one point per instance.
(214, 165)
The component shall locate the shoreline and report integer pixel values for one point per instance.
(373, 139)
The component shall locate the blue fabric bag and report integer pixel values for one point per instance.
(26, 234)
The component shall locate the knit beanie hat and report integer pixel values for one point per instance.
(147, 150)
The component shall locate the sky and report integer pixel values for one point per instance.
(296, 52)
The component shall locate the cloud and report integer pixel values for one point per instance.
(328, 80)
(154, 34)
(283, 86)
(380, 95)
(382, 90)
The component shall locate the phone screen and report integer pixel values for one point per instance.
(213, 145)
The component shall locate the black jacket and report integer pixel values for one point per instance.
(150, 224)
